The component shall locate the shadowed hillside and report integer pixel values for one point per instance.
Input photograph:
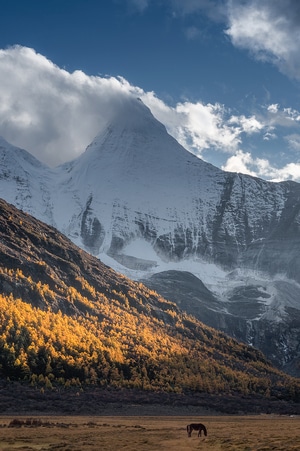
(68, 321)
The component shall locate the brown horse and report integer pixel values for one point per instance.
(196, 427)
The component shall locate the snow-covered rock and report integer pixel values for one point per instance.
(224, 246)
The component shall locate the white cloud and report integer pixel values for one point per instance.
(198, 126)
(284, 117)
(291, 171)
(273, 108)
(268, 30)
(55, 114)
(239, 163)
(269, 135)
(244, 163)
(204, 125)
(293, 141)
(248, 125)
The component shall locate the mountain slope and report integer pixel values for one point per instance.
(146, 207)
(67, 319)
(24, 181)
(133, 181)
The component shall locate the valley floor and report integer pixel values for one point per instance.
(151, 433)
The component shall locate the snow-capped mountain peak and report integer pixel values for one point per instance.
(150, 209)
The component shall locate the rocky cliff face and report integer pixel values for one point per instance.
(147, 207)
(263, 313)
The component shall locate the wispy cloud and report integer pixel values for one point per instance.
(293, 141)
(270, 30)
(140, 5)
(214, 9)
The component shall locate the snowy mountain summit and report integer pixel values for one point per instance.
(224, 246)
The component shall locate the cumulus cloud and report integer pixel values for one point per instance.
(55, 115)
(52, 113)
(244, 163)
(240, 162)
(201, 126)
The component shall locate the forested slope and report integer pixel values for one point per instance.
(68, 320)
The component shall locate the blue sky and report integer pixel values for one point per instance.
(223, 76)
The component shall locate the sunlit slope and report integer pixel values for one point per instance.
(67, 319)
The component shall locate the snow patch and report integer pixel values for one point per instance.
(140, 248)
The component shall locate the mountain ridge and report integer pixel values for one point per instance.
(144, 205)
(68, 322)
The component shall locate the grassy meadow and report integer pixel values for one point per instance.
(155, 433)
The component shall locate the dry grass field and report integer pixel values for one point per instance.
(141, 433)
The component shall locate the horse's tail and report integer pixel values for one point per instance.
(204, 430)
